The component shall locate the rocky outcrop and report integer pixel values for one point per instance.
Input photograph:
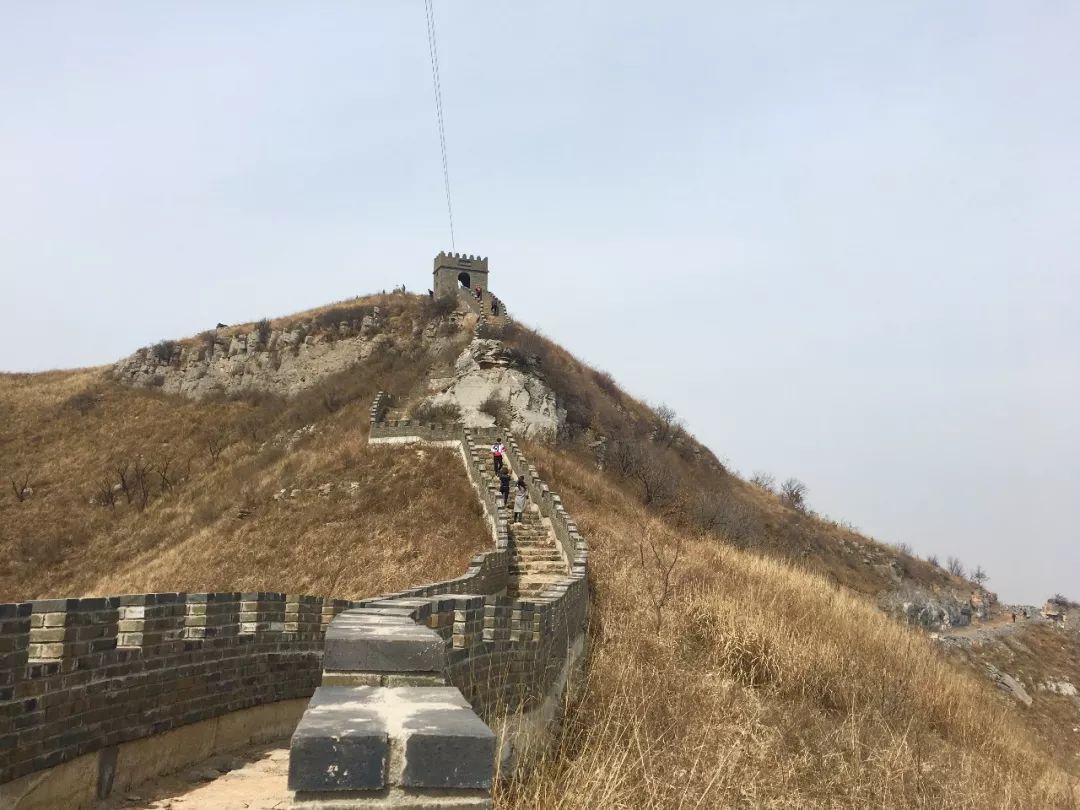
(931, 611)
(1008, 684)
(483, 372)
(286, 362)
(277, 361)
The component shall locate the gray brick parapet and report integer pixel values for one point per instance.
(83, 675)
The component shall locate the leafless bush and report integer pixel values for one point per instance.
(215, 442)
(640, 462)
(20, 485)
(302, 331)
(264, 329)
(658, 561)
(793, 494)
(1063, 601)
(498, 409)
(332, 397)
(106, 493)
(954, 566)
(934, 561)
(606, 383)
(669, 425)
(140, 482)
(714, 512)
(979, 576)
(165, 477)
(330, 319)
(438, 307)
(436, 414)
(83, 402)
(764, 480)
(904, 548)
(163, 350)
(208, 340)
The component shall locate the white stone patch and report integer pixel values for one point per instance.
(1062, 687)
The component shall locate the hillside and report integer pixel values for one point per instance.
(132, 490)
(762, 672)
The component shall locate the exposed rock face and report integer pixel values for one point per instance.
(932, 611)
(483, 371)
(287, 362)
(1062, 687)
(1009, 684)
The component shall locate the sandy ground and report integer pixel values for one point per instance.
(249, 780)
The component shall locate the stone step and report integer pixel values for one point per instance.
(554, 559)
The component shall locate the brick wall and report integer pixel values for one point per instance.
(79, 675)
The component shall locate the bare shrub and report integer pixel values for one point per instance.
(106, 493)
(83, 402)
(606, 383)
(793, 494)
(669, 426)
(645, 464)
(264, 330)
(330, 318)
(208, 340)
(439, 307)
(430, 413)
(332, 397)
(214, 443)
(1063, 601)
(302, 331)
(140, 482)
(20, 485)
(163, 350)
(498, 409)
(658, 564)
(163, 471)
(737, 520)
(904, 548)
(979, 576)
(764, 481)
(954, 566)
(933, 560)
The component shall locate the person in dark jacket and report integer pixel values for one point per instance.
(504, 485)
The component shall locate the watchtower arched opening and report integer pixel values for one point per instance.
(466, 282)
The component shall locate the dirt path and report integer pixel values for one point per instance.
(998, 627)
(251, 780)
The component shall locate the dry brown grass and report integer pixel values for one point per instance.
(767, 687)
(410, 517)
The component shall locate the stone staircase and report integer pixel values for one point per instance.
(535, 558)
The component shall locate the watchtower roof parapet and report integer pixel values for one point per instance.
(462, 261)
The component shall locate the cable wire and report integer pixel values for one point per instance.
(433, 52)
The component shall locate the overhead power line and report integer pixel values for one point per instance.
(433, 51)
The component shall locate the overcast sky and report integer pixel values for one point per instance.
(840, 239)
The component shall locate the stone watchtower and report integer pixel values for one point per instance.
(454, 270)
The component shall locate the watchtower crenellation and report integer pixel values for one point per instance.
(454, 270)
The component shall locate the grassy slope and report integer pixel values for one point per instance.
(766, 686)
(410, 517)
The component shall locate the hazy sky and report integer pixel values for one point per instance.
(841, 239)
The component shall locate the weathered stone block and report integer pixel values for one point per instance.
(446, 745)
(341, 743)
(369, 642)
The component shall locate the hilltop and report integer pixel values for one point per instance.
(763, 670)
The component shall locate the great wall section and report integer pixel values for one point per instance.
(412, 699)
